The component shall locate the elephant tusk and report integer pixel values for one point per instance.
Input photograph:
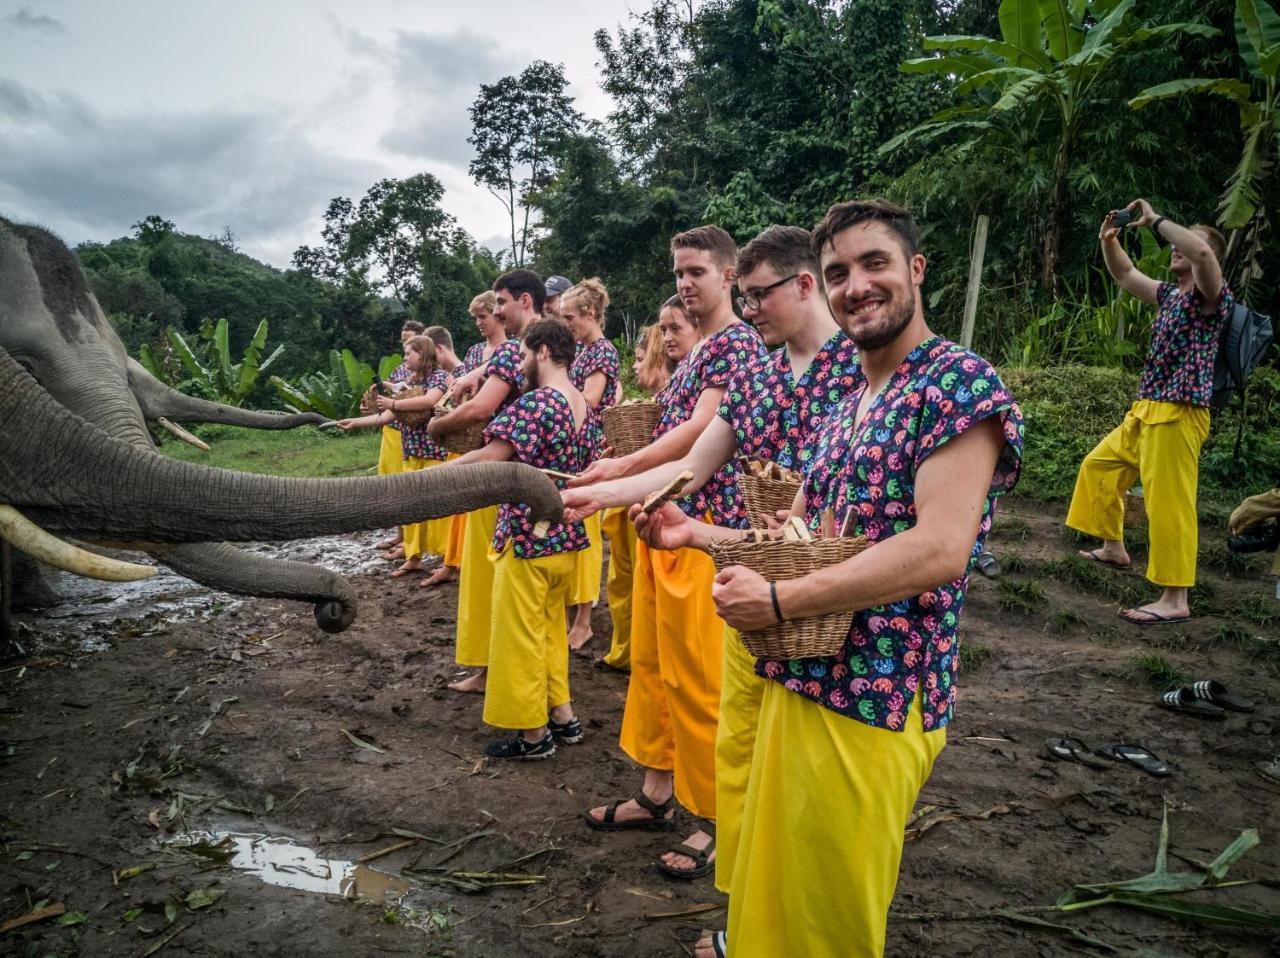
(35, 542)
(182, 434)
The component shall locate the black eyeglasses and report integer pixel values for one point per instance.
(752, 301)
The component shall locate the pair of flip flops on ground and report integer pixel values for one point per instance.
(1207, 699)
(1074, 750)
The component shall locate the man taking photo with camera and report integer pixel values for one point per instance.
(1159, 441)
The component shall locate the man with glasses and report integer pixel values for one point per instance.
(1159, 441)
(769, 411)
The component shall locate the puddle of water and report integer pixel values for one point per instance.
(280, 861)
(89, 606)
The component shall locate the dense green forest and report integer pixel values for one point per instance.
(1039, 115)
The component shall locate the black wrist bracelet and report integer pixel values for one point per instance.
(773, 596)
(1155, 227)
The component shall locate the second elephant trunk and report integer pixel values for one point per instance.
(160, 401)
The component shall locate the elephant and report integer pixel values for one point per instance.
(77, 459)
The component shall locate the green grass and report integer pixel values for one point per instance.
(972, 656)
(302, 452)
(1014, 563)
(1160, 672)
(1013, 596)
(1009, 528)
(1093, 577)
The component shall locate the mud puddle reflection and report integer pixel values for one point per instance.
(280, 861)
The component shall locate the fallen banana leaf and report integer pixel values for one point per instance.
(33, 916)
(124, 874)
(686, 913)
(1204, 912)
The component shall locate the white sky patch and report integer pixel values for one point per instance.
(253, 115)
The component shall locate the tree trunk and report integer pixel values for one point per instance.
(1057, 209)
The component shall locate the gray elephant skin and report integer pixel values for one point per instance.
(76, 456)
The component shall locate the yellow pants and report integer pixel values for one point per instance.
(529, 653)
(740, 697)
(475, 588)
(1159, 444)
(677, 655)
(588, 563)
(822, 829)
(622, 559)
(431, 535)
(390, 453)
(457, 536)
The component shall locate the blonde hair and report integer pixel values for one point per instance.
(589, 296)
(485, 302)
(654, 371)
(425, 347)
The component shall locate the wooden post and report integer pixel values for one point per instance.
(975, 280)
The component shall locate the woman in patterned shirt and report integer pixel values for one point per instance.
(595, 374)
(549, 426)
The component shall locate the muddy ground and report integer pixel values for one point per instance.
(138, 716)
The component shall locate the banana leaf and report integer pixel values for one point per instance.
(186, 356)
(389, 364)
(149, 362)
(223, 351)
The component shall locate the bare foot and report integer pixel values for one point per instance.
(472, 683)
(446, 573)
(631, 811)
(388, 543)
(394, 555)
(579, 637)
(683, 863)
(706, 946)
(1156, 613)
(412, 565)
(1113, 555)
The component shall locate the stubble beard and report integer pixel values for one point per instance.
(898, 319)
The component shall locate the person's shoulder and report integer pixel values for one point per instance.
(952, 369)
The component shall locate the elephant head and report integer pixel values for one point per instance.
(76, 457)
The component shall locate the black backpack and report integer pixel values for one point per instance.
(1244, 341)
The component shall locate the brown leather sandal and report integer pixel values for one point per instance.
(701, 857)
(659, 822)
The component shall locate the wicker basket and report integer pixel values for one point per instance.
(368, 405)
(782, 559)
(465, 440)
(766, 496)
(630, 426)
(1135, 511)
(416, 418)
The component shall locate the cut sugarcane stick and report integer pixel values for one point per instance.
(541, 528)
(557, 475)
(795, 530)
(847, 526)
(656, 500)
(827, 524)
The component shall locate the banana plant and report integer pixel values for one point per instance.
(1046, 64)
(1240, 210)
(336, 393)
(205, 365)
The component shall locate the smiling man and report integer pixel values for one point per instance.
(913, 458)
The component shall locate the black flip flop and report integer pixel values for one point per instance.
(1184, 700)
(1072, 750)
(1212, 691)
(1138, 755)
(1095, 555)
(1155, 617)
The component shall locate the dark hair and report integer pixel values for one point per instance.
(440, 336)
(555, 335)
(412, 326)
(517, 282)
(788, 249)
(844, 215)
(1217, 242)
(710, 238)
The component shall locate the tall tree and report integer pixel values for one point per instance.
(1045, 68)
(515, 124)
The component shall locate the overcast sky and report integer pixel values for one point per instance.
(252, 115)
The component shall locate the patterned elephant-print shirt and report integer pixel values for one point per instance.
(711, 365)
(507, 363)
(473, 358)
(909, 647)
(414, 439)
(540, 426)
(1184, 342)
(598, 357)
(773, 416)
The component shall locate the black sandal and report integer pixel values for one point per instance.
(1217, 694)
(1184, 700)
(660, 821)
(1138, 755)
(701, 857)
(1072, 750)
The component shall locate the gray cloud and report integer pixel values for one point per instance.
(435, 77)
(27, 19)
(89, 175)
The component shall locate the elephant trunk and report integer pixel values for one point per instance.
(159, 401)
(154, 498)
(224, 567)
